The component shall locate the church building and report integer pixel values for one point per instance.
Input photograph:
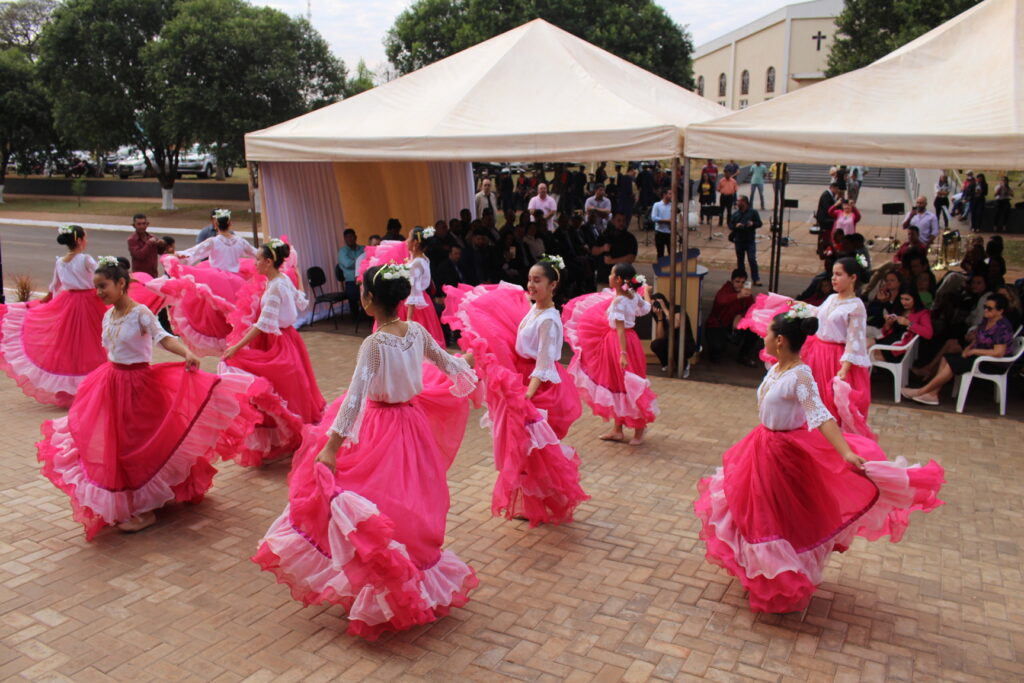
(782, 51)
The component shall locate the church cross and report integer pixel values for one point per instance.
(820, 37)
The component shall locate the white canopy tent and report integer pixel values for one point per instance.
(953, 96)
(535, 93)
(402, 149)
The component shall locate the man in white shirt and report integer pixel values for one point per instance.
(661, 215)
(924, 220)
(546, 203)
(486, 199)
(598, 209)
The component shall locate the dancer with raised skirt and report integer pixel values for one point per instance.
(203, 293)
(271, 348)
(531, 399)
(49, 347)
(368, 494)
(796, 489)
(419, 306)
(838, 354)
(608, 364)
(139, 436)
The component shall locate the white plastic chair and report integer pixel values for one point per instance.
(900, 369)
(963, 382)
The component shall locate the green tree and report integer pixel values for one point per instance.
(361, 81)
(637, 30)
(867, 30)
(21, 21)
(24, 110)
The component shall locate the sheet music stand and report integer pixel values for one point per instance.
(892, 210)
(711, 211)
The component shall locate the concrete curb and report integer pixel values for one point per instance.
(97, 226)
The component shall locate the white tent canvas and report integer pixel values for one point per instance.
(535, 93)
(953, 96)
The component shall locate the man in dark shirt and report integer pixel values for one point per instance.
(449, 271)
(825, 220)
(478, 261)
(615, 245)
(743, 225)
(624, 198)
(143, 247)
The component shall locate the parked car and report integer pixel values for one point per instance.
(202, 164)
(136, 165)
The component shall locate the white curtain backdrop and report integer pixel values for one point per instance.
(453, 188)
(302, 202)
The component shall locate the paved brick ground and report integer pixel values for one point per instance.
(622, 594)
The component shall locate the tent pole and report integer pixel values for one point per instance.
(681, 366)
(778, 211)
(250, 168)
(672, 251)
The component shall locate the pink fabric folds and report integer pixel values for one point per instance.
(50, 348)
(138, 291)
(849, 400)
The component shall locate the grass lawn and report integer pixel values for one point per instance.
(194, 211)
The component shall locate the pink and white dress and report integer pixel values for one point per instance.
(369, 536)
(279, 355)
(423, 307)
(842, 336)
(538, 476)
(591, 329)
(784, 499)
(139, 436)
(202, 294)
(49, 348)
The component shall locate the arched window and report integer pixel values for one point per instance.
(769, 82)
(745, 82)
(700, 86)
(721, 85)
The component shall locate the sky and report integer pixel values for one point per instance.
(355, 29)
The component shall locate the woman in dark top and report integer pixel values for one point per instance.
(978, 203)
(993, 339)
(659, 345)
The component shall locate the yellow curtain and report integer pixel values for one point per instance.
(371, 192)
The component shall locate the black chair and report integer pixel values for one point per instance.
(317, 278)
(353, 297)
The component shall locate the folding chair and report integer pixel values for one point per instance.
(963, 382)
(900, 369)
(317, 278)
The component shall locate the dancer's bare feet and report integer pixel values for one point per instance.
(638, 437)
(138, 522)
(613, 436)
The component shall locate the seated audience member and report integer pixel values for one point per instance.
(449, 271)
(372, 241)
(348, 255)
(955, 314)
(441, 244)
(659, 345)
(910, 318)
(514, 260)
(1013, 310)
(393, 232)
(994, 261)
(884, 301)
(818, 297)
(533, 240)
(913, 263)
(974, 261)
(615, 245)
(992, 339)
(731, 302)
(458, 233)
(913, 242)
(479, 261)
(925, 283)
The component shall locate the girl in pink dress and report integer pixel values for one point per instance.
(203, 293)
(271, 348)
(531, 399)
(838, 353)
(796, 489)
(139, 435)
(368, 494)
(419, 306)
(609, 364)
(49, 347)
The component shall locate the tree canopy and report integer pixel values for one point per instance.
(24, 111)
(867, 30)
(637, 30)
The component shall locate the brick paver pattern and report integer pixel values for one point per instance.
(623, 593)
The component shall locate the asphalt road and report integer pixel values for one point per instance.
(32, 250)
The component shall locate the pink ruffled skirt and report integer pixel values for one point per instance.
(782, 502)
(370, 536)
(848, 400)
(140, 436)
(49, 349)
(624, 396)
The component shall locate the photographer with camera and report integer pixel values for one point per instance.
(924, 220)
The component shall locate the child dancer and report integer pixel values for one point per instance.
(138, 435)
(368, 491)
(49, 347)
(608, 363)
(530, 398)
(419, 306)
(795, 489)
(272, 348)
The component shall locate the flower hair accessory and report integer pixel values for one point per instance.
(107, 262)
(222, 213)
(393, 271)
(863, 262)
(273, 244)
(638, 280)
(65, 229)
(553, 260)
(427, 233)
(798, 310)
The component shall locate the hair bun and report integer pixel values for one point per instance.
(66, 238)
(809, 326)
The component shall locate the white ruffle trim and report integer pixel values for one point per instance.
(623, 405)
(13, 351)
(201, 344)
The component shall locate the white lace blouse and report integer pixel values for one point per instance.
(420, 276)
(129, 339)
(844, 321)
(75, 273)
(790, 399)
(540, 338)
(224, 252)
(280, 305)
(627, 310)
(389, 369)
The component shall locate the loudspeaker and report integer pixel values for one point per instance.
(711, 209)
(791, 203)
(894, 209)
